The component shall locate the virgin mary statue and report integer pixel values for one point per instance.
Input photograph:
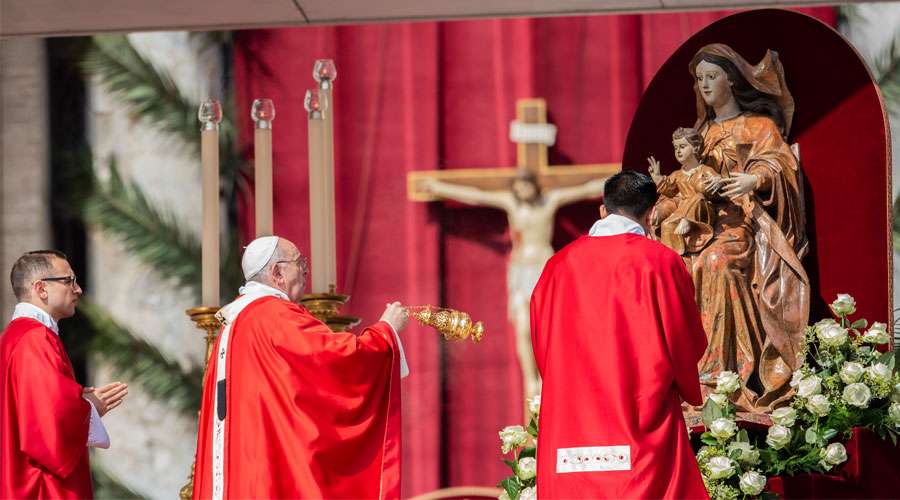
(751, 286)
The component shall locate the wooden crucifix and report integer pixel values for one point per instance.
(530, 194)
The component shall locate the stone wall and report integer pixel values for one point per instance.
(24, 158)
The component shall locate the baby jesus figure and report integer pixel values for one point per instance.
(684, 206)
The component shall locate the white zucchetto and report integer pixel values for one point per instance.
(257, 255)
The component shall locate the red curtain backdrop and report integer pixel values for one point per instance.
(424, 96)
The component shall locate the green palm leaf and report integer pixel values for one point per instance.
(136, 359)
(149, 92)
(121, 208)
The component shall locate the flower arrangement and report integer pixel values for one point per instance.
(845, 382)
(521, 442)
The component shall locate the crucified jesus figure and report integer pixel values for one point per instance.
(531, 213)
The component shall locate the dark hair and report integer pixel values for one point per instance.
(693, 137)
(747, 97)
(28, 266)
(629, 193)
(526, 176)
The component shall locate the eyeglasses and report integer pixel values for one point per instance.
(301, 261)
(71, 281)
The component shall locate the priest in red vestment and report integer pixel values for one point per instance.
(47, 420)
(290, 408)
(617, 336)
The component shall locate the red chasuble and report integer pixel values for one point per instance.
(308, 413)
(44, 421)
(617, 336)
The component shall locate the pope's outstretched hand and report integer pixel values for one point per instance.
(396, 315)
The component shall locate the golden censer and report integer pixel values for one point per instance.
(450, 323)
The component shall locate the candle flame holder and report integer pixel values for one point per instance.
(450, 323)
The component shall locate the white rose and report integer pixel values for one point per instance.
(752, 483)
(720, 467)
(512, 437)
(895, 394)
(809, 386)
(785, 416)
(779, 436)
(534, 405)
(504, 496)
(879, 372)
(529, 493)
(722, 428)
(832, 335)
(894, 414)
(719, 399)
(851, 372)
(727, 382)
(834, 454)
(857, 394)
(818, 405)
(749, 455)
(796, 378)
(877, 334)
(527, 468)
(844, 305)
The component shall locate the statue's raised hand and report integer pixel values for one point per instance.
(653, 169)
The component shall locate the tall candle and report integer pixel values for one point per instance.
(210, 114)
(316, 104)
(325, 73)
(263, 113)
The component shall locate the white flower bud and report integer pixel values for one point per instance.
(752, 483)
(727, 382)
(818, 405)
(720, 467)
(857, 394)
(894, 414)
(719, 399)
(722, 428)
(527, 468)
(512, 437)
(834, 454)
(877, 334)
(534, 405)
(832, 335)
(879, 372)
(844, 305)
(851, 372)
(785, 416)
(778, 437)
(809, 386)
(529, 493)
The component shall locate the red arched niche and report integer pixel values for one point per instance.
(842, 131)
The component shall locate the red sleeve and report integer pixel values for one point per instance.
(53, 419)
(681, 324)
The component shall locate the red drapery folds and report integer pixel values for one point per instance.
(422, 96)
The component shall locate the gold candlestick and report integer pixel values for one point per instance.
(326, 307)
(450, 323)
(205, 319)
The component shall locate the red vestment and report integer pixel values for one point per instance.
(44, 421)
(310, 413)
(617, 336)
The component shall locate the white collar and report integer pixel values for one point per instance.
(251, 291)
(27, 310)
(615, 224)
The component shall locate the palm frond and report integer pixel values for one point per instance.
(136, 359)
(122, 208)
(149, 92)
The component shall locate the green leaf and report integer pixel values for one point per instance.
(711, 411)
(859, 324)
(512, 487)
(888, 359)
(708, 439)
(828, 434)
(742, 436)
(530, 451)
(811, 436)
